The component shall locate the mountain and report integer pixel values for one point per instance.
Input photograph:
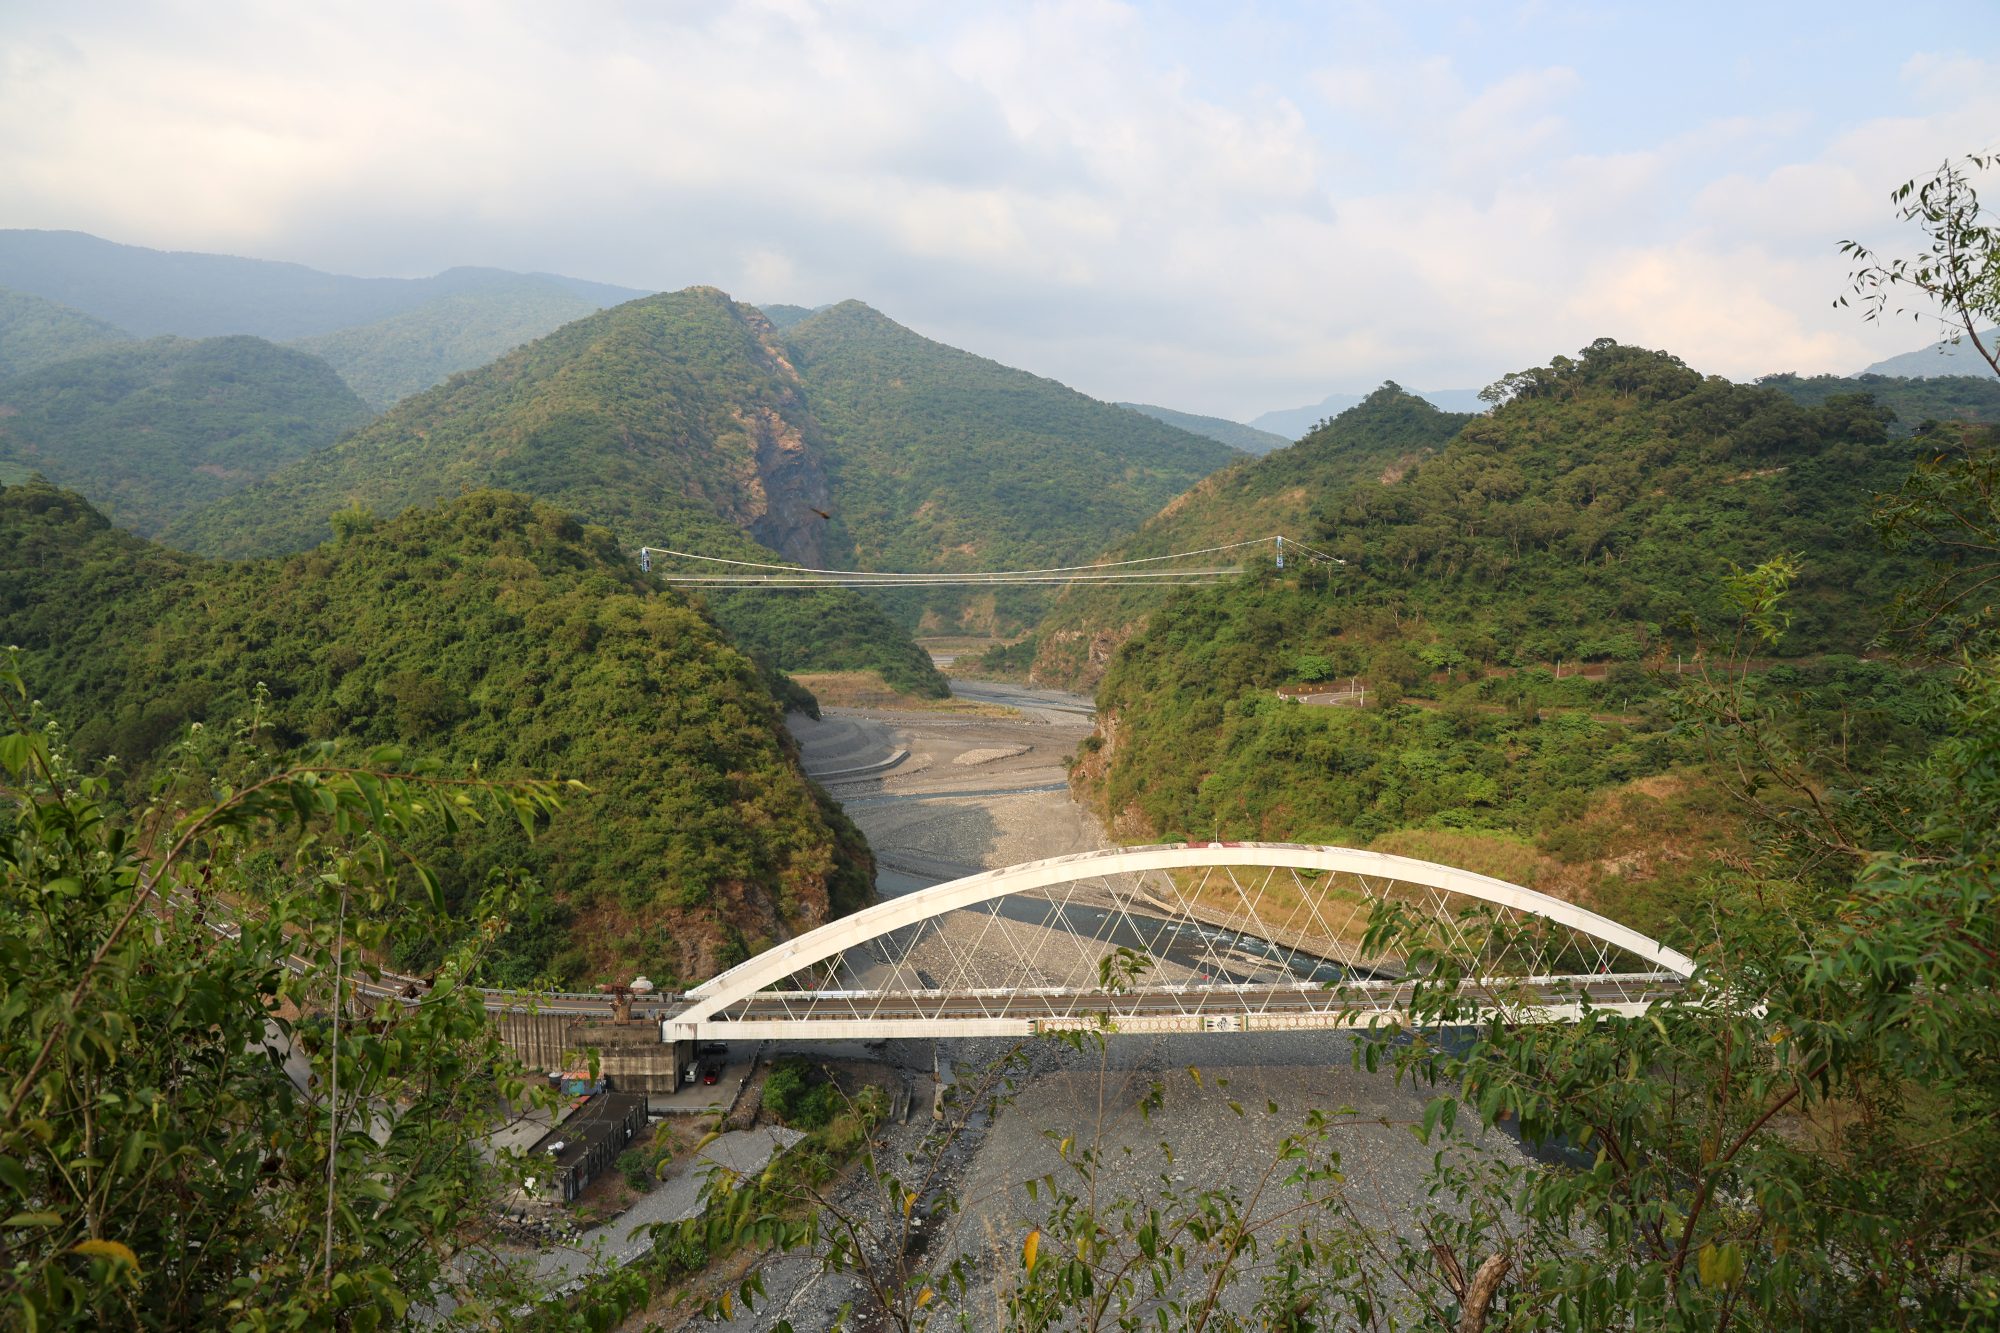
(784, 316)
(490, 631)
(939, 459)
(676, 402)
(1940, 358)
(152, 431)
(35, 332)
(1373, 443)
(1292, 422)
(1593, 518)
(1232, 433)
(407, 353)
(150, 292)
(675, 421)
(1942, 398)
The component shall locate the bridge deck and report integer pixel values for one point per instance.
(1213, 1007)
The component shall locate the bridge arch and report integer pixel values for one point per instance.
(710, 1003)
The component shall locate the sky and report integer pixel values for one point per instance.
(1220, 208)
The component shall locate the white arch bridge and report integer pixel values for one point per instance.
(1229, 937)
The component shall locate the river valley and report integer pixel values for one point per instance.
(943, 794)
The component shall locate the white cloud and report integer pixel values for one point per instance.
(1041, 184)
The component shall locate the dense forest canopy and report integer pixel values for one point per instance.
(35, 332)
(153, 431)
(494, 632)
(1914, 402)
(1370, 444)
(1590, 519)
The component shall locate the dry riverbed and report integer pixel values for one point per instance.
(943, 793)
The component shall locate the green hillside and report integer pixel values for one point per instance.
(407, 353)
(152, 431)
(1371, 444)
(673, 420)
(492, 631)
(35, 332)
(1232, 433)
(1914, 401)
(945, 460)
(1590, 519)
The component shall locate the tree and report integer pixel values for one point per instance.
(202, 1124)
(1957, 274)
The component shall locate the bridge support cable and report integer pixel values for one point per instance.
(691, 568)
(1215, 937)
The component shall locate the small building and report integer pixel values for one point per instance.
(584, 1146)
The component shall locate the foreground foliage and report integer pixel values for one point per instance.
(200, 1125)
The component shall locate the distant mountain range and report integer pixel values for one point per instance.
(388, 337)
(1940, 358)
(1232, 433)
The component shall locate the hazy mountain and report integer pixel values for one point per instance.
(492, 631)
(35, 331)
(393, 358)
(1940, 358)
(1232, 433)
(149, 292)
(151, 431)
(1292, 422)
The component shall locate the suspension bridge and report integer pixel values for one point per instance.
(691, 569)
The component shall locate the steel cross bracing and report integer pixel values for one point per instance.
(1196, 937)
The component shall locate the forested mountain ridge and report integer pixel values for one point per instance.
(1373, 443)
(152, 431)
(941, 459)
(406, 353)
(35, 332)
(1296, 422)
(674, 420)
(492, 630)
(681, 398)
(1595, 517)
(1944, 398)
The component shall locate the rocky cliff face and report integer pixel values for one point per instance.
(789, 493)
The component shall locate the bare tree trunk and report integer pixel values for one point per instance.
(1479, 1295)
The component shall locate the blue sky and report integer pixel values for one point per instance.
(1221, 208)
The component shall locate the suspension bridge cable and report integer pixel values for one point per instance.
(868, 574)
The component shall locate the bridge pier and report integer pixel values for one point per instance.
(630, 1055)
